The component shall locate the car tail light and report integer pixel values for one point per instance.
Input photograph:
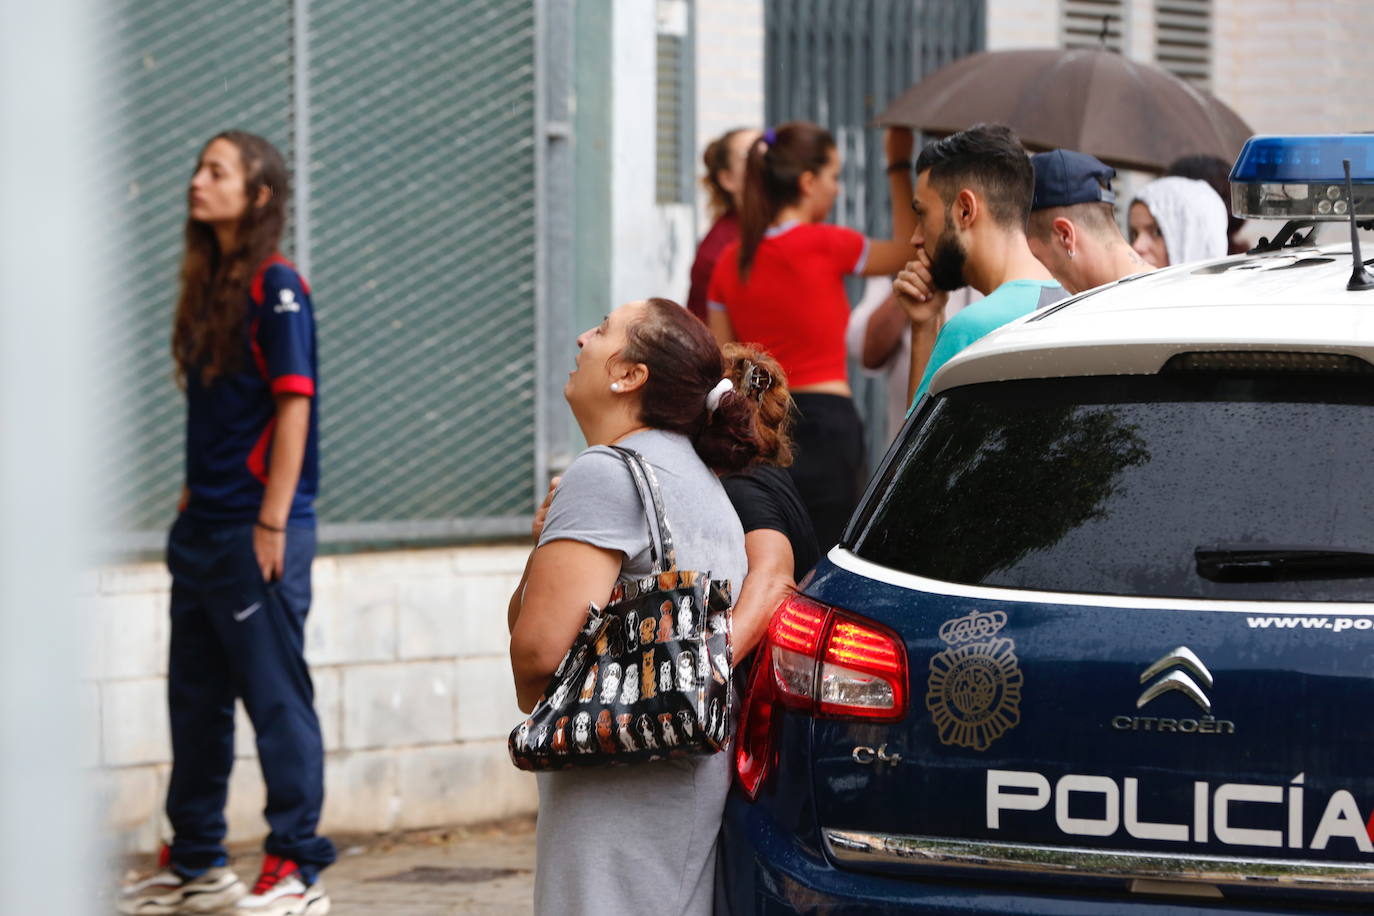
(1286, 361)
(754, 746)
(794, 638)
(833, 664)
(823, 661)
(863, 671)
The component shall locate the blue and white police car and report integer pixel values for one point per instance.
(1100, 637)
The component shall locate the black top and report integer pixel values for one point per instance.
(765, 497)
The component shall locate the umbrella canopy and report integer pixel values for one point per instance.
(1128, 114)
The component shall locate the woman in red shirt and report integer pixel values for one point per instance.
(724, 159)
(781, 287)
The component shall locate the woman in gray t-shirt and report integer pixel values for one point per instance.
(640, 838)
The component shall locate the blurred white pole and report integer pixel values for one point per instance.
(54, 221)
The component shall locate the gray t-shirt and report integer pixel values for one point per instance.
(638, 839)
(597, 503)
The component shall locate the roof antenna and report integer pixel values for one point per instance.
(1102, 36)
(1359, 277)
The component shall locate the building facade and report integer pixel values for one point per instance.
(1248, 53)
(475, 185)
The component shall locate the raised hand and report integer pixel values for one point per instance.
(916, 291)
(543, 511)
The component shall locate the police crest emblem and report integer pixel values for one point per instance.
(974, 690)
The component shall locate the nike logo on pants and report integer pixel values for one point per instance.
(247, 612)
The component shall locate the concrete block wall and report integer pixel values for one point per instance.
(408, 650)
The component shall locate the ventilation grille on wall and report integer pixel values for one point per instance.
(1082, 23)
(1183, 39)
(672, 108)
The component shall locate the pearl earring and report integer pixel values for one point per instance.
(615, 386)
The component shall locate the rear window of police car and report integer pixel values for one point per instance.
(1111, 484)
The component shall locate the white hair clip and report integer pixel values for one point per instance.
(715, 394)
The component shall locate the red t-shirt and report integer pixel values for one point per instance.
(725, 231)
(794, 304)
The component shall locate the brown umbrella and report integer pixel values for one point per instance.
(1129, 114)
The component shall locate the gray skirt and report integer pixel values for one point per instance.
(634, 840)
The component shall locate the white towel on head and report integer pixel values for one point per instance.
(1190, 216)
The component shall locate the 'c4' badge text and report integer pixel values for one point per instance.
(974, 691)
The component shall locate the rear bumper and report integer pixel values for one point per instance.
(765, 870)
(1208, 875)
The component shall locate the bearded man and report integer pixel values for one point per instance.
(972, 200)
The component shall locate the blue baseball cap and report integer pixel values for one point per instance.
(1064, 177)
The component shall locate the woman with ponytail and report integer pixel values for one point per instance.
(724, 159)
(778, 538)
(781, 286)
(636, 839)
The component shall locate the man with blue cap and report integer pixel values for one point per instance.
(1072, 228)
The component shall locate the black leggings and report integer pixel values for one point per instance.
(828, 461)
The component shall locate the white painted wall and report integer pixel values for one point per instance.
(1035, 24)
(1022, 24)
(1140, 30)
(729, 76)
(54, 125)
(652, 244)
(1294, 66)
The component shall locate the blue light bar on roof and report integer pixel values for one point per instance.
(1302, 177)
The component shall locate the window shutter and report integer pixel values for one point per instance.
(1082, 21)
(1183, 39)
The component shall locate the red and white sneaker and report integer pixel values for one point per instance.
(169, 891)
(280, 891)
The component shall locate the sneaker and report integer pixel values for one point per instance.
(169, 891)
(280, 891)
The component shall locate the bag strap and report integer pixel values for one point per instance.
(646, 483)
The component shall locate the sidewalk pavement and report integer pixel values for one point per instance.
(488, 869)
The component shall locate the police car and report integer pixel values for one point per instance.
(1100, 636)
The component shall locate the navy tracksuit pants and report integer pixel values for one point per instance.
(234, 635)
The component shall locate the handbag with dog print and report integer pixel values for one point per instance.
(648, 676)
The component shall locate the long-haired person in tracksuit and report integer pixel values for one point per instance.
(241, 548)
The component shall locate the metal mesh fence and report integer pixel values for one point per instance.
(422, 241)
(839, 63)
(419, 120)
(176, 74)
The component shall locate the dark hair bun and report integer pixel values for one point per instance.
(685, 364)
(727, 442)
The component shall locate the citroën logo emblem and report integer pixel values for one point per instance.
(974, 691)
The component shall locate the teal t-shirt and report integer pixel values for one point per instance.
(1006, 303)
